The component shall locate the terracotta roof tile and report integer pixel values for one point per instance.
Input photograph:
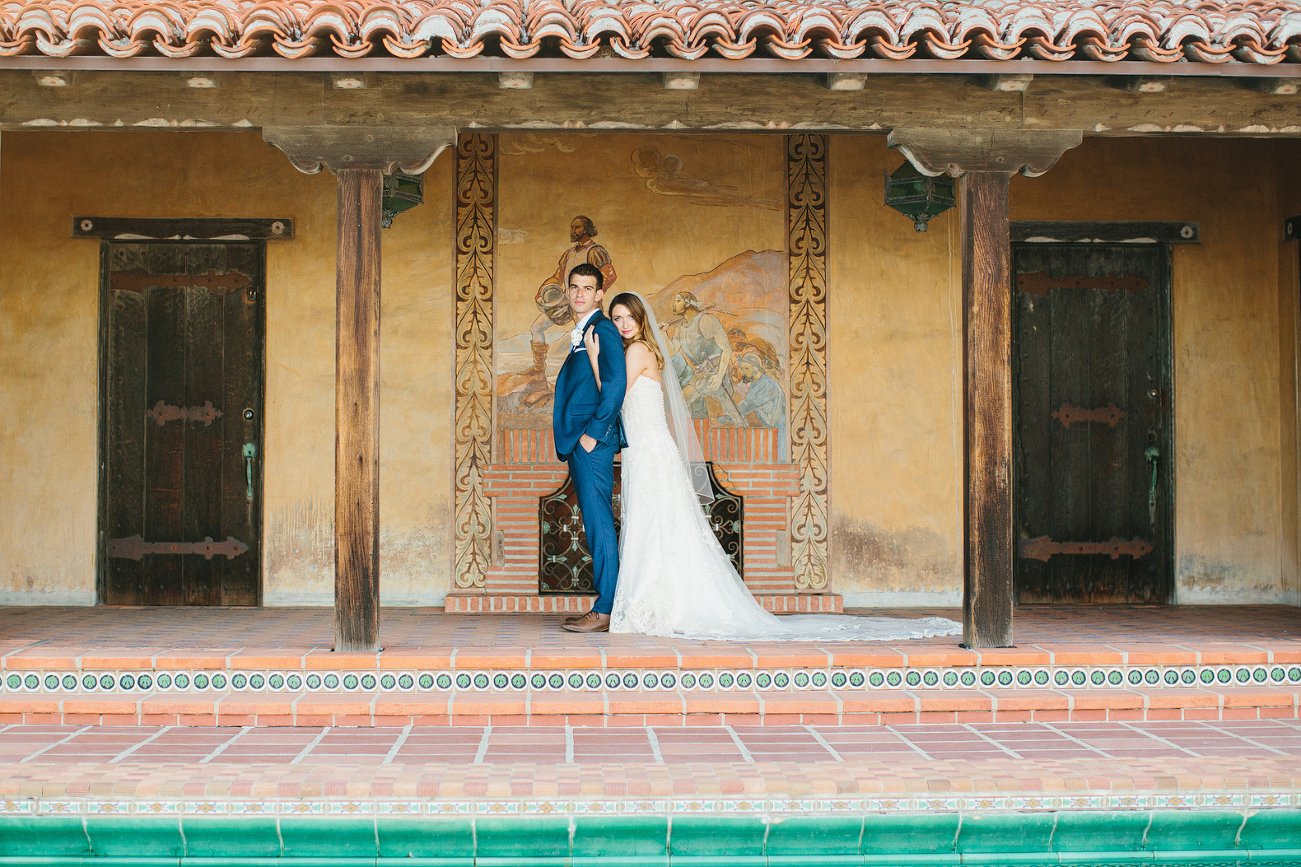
(1154, 30)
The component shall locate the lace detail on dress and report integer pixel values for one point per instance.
(674, 578)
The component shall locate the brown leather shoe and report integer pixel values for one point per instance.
(589, 622)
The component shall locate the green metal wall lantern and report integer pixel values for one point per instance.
(401, 191)
(918, 196)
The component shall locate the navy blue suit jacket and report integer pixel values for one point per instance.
(582, 408)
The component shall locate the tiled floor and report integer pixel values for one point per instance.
(404, 629)
(145, 762)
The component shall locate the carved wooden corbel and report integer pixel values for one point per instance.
(958, 151)
(312, 148)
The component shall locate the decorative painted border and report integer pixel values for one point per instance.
(476, 234)
(652, 806)
(806, 222)
(653, 680)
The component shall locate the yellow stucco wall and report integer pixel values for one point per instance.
(894, 314)
(49, 356)
(894, 318)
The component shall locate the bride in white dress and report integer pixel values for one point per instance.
(674, 578)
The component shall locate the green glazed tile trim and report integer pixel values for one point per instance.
(708, 836)
(815, 835)
(245, 836)
(1188, 832)
(620, 836)
(1006, 833)
(513, 838)
(910, 833)
(331, 838)
(49, 835)
(136, 837)
(424, 838)
(1271, 829)
(1089, 831)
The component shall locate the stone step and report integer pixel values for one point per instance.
(676, 705)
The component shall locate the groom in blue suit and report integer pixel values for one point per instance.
(588, 433)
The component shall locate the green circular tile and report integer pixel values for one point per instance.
(464, 681)
(127, 681)
(313, 681)
(987, 678)
(950, 678)
(612, 680)
(894, 678)
(1079, 678)
(668, 681)
(743, 680)
(1115, 677)
(1243, 675)
(293, 681)
(538, 681)
(443, 681)
(388, 681)
(201, 681)
(481, 681)
(801, 680)
(706, 680)
(13, 681)
(856, 679)
(876, 679)
(1152, 675)
(1223, 675)
(1135, 676)
(330, 681)
(144, 681)
(255, 681)
(1171, 677)
(819, 679)
(575, 681)
(556, 681)
(349, 681)
(518, 681)
(1278, 675)
(32, 681)
(650, 681)
(1041, 677)
(106, 681)
(781, 680)
(368, 682)
(688, 681)
(594, 681)
(1098, 678)
(239, 681)
(500, 680)
(1024, 677)
(88, 681)
(726, 680)
(51, 681)
(1188, 676)
(1294, 674)
(1259, 675)
(913, 678)
(70, 680)
(763, 680)
(1005, 678)
(1207, 676)
(1062, 678)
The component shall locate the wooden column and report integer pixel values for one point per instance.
(356, 408)
(987, 410)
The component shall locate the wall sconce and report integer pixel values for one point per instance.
(401, 191)
(918, 196)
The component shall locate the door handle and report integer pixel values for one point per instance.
(1152, 455)
(250, 452)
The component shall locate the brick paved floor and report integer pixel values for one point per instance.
(303, 629)
(141, 762)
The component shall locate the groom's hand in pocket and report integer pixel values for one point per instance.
(587, 442)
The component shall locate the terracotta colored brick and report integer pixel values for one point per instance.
(1277, 712)
(1239, 713)
(1088, 715)
(81, 719)
(436, 658)
(1164, 713)
(255, 705)
(491, 657)
(804, 658)
(819, 719)
(1193, 713)
(975, 716)
(320, 704)
(197, 719)
(547, 720)
(718, 703)
(264, 660)
(1180, 698)
(598, 721)
(487, 704)
(43, 658)
(1004, 716)
(431, 721)
(354, 719)
(326, 660)
(1156, 654)
(857, 702)
(11, 719)
(577, 657)
(655, 719)
(1083, 654)
(1054, 715)
(1129, 714)
(932, 657)
(1258, 697)
(700, 719)
(159, 719)
(181, 659)
(101, 705)
(115, 658)
(999, 656)
(1103, 699)
(624, 657)
(722, 657)
(955, 700)
(860, 719)
(743, 719)
(286, 720)
(29, 704)
(412, 705)
(562, 703)
(900, 719)
(781, 719)
(119, 719)
(43, 719)
(1027, 699)
(1230, 654)
(231, 719)
(509, 720)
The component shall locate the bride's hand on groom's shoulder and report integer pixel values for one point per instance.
(592, 342)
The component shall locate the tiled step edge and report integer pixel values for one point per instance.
(517, 603)
(611, 708)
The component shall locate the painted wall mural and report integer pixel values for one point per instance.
(695, 225)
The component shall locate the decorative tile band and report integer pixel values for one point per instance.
(706, 680)
(651, 806)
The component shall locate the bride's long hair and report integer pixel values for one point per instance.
(634, 306)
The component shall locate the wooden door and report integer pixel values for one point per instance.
(1092, 433)
(182, 373)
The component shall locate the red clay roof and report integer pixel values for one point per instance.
(1252, 32)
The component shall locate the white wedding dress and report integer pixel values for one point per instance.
(675, 580)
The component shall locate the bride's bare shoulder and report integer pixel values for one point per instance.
(642, 360)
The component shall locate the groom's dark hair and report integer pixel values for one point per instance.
(587, 269)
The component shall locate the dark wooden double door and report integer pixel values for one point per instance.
(182, 328)
(1092, 439)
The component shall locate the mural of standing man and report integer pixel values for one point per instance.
(553, 306)
(704, 365)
